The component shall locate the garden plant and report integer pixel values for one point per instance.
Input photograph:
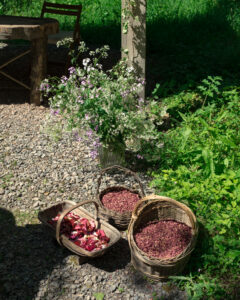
(199, 166)
(193, 52)
(104, 107)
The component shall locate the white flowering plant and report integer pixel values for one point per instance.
(104, 106)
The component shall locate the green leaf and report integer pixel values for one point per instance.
(186, 133)
(99, 296)
(226, 162)
(227, 141)
(204, 123)
(223, 231)
(233, 254)
(183, 117)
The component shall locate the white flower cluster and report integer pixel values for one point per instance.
(107, 103)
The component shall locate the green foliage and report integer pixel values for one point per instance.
(121, 290)
(200, 166)
(98, 296)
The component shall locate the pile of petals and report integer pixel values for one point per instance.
(120, 201)
(82, 232)
(163, 239)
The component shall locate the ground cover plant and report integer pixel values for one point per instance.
(199, 165)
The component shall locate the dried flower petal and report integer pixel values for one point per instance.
(82, 232)
(163, 239)
(120, 201)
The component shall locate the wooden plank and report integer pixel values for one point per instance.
(15, 58)
(25, 28)
(15, 80)
(61, 12)
(64, 6)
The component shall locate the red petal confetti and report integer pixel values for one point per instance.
(120, 201)
(82, 232)
(163, 239)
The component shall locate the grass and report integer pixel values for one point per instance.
(187, 40)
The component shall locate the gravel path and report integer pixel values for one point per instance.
(36, 171)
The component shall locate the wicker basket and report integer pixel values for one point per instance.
(152, 208)
(117, 219)
(64, 208)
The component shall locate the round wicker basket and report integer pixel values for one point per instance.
(117, 219)
(153, 208)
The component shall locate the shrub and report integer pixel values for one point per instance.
(104, 106)
(200, 167)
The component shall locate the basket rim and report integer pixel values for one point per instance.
(158, 199)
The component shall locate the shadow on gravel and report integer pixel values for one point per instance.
(27, 255)
(13, 93)
(116, 258)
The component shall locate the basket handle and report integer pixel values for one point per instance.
(153, 197)
(127, 171)
(65, 212)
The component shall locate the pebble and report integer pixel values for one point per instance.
(51, 172)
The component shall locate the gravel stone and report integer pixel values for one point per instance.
(38, 169)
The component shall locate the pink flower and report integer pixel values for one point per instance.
(54, 112)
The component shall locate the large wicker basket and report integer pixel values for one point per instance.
(64, 208)
(117, 219)
(153, 208)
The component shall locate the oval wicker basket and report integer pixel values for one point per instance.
(117, 219)
(64, 208)
(152, 208)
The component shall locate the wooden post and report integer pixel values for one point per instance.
(134, 41)
(38, 70)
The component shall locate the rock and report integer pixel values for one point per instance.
(36, 204)
(47, 172)
(114, 287)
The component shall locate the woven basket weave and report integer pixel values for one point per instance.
(158, 208)
(117, 219)
(64, 208)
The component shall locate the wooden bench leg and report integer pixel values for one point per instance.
(38, 68)
(9, 76)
